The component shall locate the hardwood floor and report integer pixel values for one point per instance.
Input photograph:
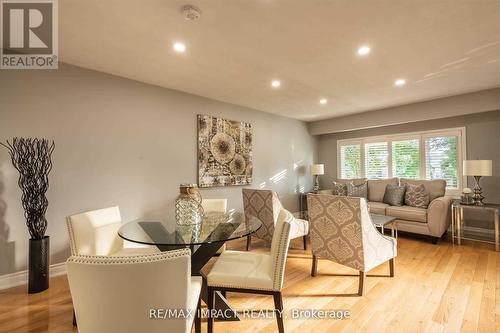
(437, 288)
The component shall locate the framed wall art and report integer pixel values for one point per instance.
(224, 152)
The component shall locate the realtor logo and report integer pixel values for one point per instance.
(29, 34)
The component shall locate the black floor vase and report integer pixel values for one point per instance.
(38, 270)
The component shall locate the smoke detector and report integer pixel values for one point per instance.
(191, 13)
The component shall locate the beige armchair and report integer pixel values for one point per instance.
(124, 294)
(95, 233)
(256, 273)
(265, 205)
(342, 231)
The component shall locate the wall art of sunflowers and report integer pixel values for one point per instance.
(224, 152)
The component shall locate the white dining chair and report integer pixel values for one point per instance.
(95, 233)
(215, 206)
(130, 294)
(255, 273)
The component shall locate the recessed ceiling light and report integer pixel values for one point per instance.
(364, 50)
(399, 82)
(179, 47)
(323, 101)
(275, 83)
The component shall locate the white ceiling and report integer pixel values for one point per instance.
(441, 48)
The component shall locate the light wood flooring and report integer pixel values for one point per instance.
(437, 288)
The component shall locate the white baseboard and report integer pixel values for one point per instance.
(20, 278)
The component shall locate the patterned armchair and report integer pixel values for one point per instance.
(342, 231)
(266, 206)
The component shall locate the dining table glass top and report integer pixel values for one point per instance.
(214, 227)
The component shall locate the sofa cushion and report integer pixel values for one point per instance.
(357, 190)
(394, 195)
(340, 185)
(407, 213)
(376, 188)
(436, 188)
(377, 207)
(416, 196)
(339, 188)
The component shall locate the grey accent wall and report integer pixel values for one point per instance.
(482, 142)
(446, 107)
(121, 142)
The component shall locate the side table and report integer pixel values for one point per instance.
(457, 220)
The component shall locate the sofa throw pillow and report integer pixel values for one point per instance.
(416, 196)
(339, 188)
(357, 190)
(394, 195)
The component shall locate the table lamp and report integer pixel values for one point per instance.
(477, 169)
(317, 170)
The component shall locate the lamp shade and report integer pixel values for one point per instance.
(477, 168)
(317, 169)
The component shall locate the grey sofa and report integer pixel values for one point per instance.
(432, 221)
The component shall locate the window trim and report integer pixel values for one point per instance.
(460, 132)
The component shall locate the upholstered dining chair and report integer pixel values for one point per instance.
(131, 294)
(255, 273)
(215, 206)
(265, 205)
(342, 231)
(95, 233)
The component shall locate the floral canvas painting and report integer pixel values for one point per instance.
(224, 152)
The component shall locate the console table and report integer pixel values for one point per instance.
(457, 220)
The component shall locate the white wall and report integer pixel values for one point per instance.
(120, 142)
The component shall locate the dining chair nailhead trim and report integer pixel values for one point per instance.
(104, 260)
(72, 240)
(279, 264)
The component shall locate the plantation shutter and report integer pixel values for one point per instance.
(376, 160)
(350, 161)
(406, 158)
(441, 159)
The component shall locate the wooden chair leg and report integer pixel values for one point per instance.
(314, 268)
(210, 306)
(391, 267)
(249, 242)
(278, 304)
(362, 276)
(74, 318)
(305, 242)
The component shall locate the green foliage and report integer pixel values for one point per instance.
(351, 158)
(406, 159)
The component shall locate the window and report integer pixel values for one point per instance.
(376, 155)
(441, 159)
(406, 158)
(350, 157)
(428, 155)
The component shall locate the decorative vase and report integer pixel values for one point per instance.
(188, 209)
(38, 265)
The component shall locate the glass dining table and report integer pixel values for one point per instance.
(204, 239)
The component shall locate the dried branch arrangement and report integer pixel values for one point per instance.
(32, 158)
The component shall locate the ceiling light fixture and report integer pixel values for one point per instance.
(323, 101)
(275, 83)
(400, 82)
(364, 50)
(179, 47)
